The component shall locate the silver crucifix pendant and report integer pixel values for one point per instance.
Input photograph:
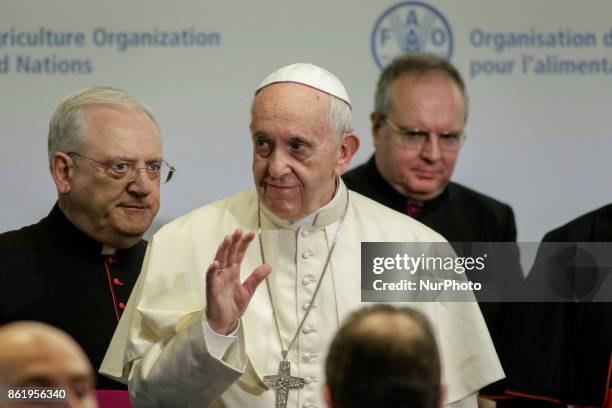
(282, 382)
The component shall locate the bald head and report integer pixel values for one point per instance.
(387, 323)
(384, 356)
(35, 354)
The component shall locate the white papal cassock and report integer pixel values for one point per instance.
(160, 343)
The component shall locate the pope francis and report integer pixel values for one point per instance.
(198, 334)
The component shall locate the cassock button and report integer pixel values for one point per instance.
(308, 281)
(306, 305)
(306, 254)
(121, 305)
(304, 233)
(307, 330)
(307, 380)
(117, 282)
(309, 405)
(308, 357)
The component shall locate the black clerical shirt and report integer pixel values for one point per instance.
(562, 352)
(459, 214)
(54, 273)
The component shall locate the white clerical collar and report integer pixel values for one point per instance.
(106, 250)
(325, 215)
(308, 221)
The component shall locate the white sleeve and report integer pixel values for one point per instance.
(218, 343)
(181, 370)
(160, 347)
(467, 402)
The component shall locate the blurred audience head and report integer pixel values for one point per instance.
(37, 355)
(384, 357)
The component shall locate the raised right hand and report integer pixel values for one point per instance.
(227, 298)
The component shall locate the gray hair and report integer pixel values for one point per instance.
(414, 64)
(68, 123)
(340, 116)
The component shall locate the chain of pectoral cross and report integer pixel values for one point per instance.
(282, 382)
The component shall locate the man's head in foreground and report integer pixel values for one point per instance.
(417, 125)
(105, 156)
(37, 355)
(384, 357)
(302, 139)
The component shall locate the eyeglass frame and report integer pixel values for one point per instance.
(404, 132)
(120, 175)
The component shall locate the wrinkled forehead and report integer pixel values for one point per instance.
(130, 129)
(426, 87)
(100, 114)
(281, 91)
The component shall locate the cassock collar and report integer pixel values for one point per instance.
(378, 182)
(398, 200)
(69, 234)
(107, 250)
(324, 216)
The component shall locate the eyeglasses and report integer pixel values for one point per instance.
(121, 170)
(416, 138)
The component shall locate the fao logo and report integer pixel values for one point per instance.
(410, 27)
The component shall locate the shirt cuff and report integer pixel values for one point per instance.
(469, 401)
(218, 343)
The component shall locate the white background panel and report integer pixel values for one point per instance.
(539, 142)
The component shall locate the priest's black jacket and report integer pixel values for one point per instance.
(459, 214)
(563, 351)
(54, 273)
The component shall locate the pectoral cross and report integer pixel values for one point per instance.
(282, 382)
